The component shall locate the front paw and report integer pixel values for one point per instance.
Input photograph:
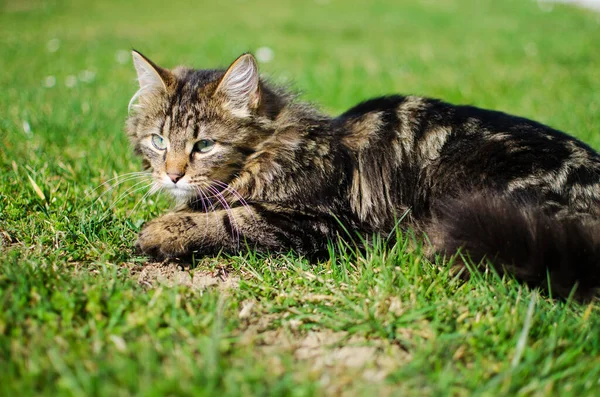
(164, 237)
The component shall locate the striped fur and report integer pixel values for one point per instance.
(282, 176)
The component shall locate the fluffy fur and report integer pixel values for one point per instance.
(252, 167)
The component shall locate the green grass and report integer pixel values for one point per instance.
(78, 315)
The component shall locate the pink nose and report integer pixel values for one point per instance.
(175, 177)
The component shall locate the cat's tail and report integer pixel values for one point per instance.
(516, 237)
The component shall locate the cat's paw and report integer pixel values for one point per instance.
(164, 237)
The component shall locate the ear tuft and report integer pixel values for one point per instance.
(240, 85)
(149, 75)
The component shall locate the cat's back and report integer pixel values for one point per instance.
(428, 128)
(457, 147)
(420, 120)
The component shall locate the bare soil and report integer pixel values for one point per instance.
(175, 274)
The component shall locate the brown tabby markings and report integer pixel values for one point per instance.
(251, 167)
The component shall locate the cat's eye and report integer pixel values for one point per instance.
(159, 142)
(204, 146)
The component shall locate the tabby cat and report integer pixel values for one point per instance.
(252, 167)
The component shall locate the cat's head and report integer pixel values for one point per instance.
(195, 128)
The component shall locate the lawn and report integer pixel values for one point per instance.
(81, 313)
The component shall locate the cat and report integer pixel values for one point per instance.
(254, 168)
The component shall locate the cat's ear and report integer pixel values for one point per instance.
(240, 86)
(150, 76)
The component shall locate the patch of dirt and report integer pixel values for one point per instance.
(328, 349)
(175, 274)
(338, 360)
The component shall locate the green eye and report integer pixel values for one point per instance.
(204, 145)
(159, 142)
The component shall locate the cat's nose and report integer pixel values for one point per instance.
(174, 176)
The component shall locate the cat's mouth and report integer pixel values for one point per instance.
(181, 192)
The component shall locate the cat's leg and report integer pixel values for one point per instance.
(261, 227)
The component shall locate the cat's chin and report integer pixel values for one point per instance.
(181, 194)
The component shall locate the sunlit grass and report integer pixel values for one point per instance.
(78, 315)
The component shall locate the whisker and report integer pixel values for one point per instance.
(114, 186)
(227, 207)
(127, 176)
(202, 195)
(153, 189)
(131, 190)
(201, 198)
(237, 195)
